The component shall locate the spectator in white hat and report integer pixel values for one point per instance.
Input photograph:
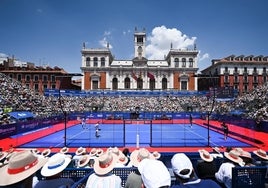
(52, 171)
(224, 174)
(246, 157)
(262, 156)
(206, 167)
(46, 152)
(185, 175)
(64, 150)
(79, 153)
(134, 179)
(86, 161)
(154, 174)
(103, 176)
(20, 170)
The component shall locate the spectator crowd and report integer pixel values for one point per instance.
(16, 97)
(29, 168)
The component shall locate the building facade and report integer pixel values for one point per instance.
(174, 72)
(243, 73)
(37, 78)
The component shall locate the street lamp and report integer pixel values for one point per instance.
(68, 75)
(209, 112)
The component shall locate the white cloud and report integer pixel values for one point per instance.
(103, 42)
(203, 57)
(161, 39)
(126, 32)
(107, 33)
(203, 61)
(3, 55)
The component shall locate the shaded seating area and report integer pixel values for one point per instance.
(253, 177)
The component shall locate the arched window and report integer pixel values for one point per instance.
(95, 61)
(164, 83)
(191, 62)
(28, 78)
(88, 61)
(102, 62)
(127, 83)
(183, 62)
(176, 60)
(115, 84)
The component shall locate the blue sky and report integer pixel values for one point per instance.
(51, 32)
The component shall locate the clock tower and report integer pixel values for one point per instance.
(139, 42)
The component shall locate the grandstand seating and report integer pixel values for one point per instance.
(253, 177)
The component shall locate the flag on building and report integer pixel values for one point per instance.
(134, 76)
(150, 75)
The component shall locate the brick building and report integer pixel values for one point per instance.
(37, 78)
(243, 73)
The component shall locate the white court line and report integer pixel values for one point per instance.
(71, 137)
(205, 138)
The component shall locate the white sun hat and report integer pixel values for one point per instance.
(56, 164)
(261, 153)
(205, 155)
(105, 163)
(21, 165)
(138, 155)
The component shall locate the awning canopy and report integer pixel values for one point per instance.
(21, 114)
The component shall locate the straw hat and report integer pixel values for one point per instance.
(217, 149)
(105, 163)
(115, 150)
(83, 160)
(138, 155)
(122, 158)
(205, 155)
(99, 151)
(3, 155)
(21, 165)
(80, 151)
(64, 150)
(56, 164)
(245, 154)
(93, 152)
(239, 150)
(9, 155)
(233, 155)
(46, 152)
(261, 153)
(96, 152)
(35, 151)
(156, 155)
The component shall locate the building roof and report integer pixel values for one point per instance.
(156, 63)
(122, 63)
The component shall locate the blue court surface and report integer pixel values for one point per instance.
(139, 135)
